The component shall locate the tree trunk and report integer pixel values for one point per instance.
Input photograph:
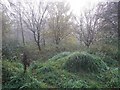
(23, 38)
(39, 47)
(37, 41)
(21, 26)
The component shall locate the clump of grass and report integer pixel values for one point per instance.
(110, 62)
(61, 55)
(75, 84)
(84, 62)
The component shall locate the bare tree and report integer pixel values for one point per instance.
(59, 21)
(33, 20)
(21, 24)
(87, 25)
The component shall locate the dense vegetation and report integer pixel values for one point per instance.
(46, 45)
(65, 70)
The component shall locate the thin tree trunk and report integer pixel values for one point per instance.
(21, 26)
(23, 38)
(39, 47)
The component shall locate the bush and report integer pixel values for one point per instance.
(13, 77)
(110, 78)
(51, 79)
(23, 81)
(10, 69)
(105, 50)
(84, 62)
(11, 50)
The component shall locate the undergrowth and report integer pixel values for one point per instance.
(65, 70)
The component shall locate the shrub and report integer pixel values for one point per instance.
(11, 49)
(33, 84)
(10, 69)
(105, 50)
(110, 78)
(23, 81)
(84, 62)
(50, 79)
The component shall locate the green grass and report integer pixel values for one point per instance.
(65, 70)
(78, 62)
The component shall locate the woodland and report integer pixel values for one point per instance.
(46, 45)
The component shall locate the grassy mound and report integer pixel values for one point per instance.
(59, 78)
(59, 56)
(84, 62)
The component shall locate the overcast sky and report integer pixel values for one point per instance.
(76, 5)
